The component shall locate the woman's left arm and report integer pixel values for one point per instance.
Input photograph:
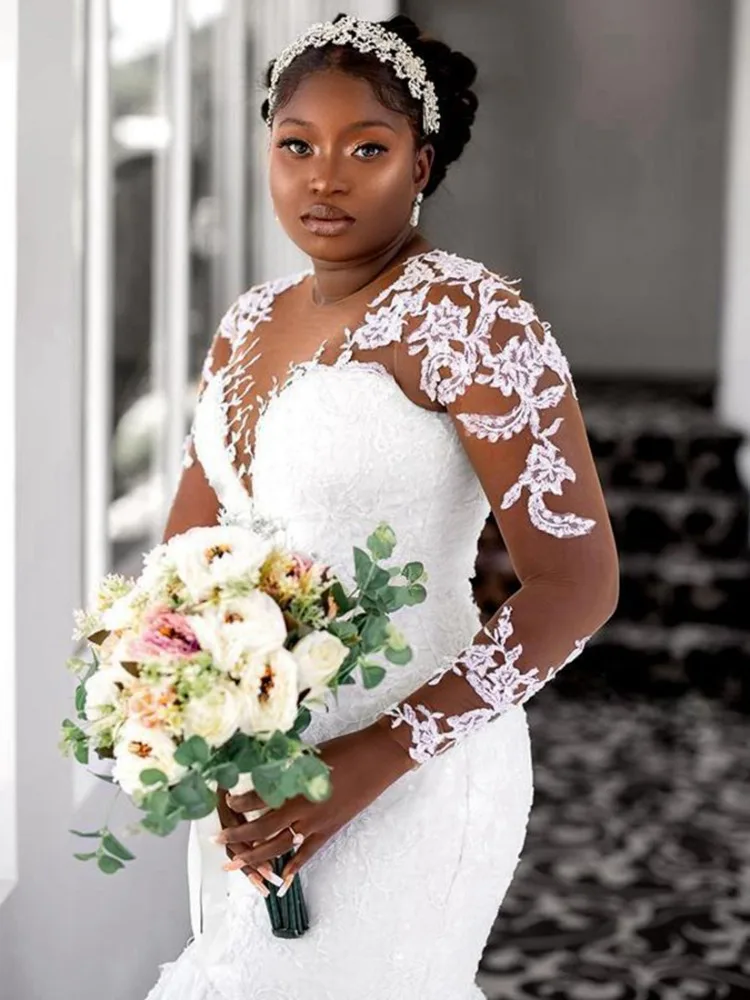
(515, 408)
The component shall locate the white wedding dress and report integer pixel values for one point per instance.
(402, 900)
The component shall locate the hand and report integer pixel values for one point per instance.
(363, 764)
(229, 820)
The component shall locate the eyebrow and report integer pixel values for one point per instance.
(365, 123)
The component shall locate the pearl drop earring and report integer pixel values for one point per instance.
(414, 220)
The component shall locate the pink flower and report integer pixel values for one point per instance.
(167, 634)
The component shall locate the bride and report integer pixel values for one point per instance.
(391, 380)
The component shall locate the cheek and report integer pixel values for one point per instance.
(284, 178)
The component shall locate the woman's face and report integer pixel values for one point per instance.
(334, 144)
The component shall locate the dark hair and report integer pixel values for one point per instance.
(451, 72)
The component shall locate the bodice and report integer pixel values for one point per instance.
(338, 449)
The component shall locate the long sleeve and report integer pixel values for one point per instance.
(218, 354)
(195, 502)
(507, 386)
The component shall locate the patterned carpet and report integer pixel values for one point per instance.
(634, 881)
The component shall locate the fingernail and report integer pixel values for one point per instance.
(268, 873)
(234, 864)
(258, 883)
(285, 887)
(217, 838)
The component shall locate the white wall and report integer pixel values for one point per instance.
(66, 930)
(734, 400)
(8, 129)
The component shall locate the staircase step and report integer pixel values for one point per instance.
(708, 524)
(669, 590)
(627, 658)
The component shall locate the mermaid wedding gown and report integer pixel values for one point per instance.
(402, 900)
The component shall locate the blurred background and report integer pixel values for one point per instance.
(609, 170)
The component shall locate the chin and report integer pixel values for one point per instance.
(331, 248)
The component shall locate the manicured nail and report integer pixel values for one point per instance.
(268, 873)
(234, 864)
(258, 883)
(217, 838)
(285, 887)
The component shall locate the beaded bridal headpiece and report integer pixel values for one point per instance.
(366, 36)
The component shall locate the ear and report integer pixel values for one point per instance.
(423, 164)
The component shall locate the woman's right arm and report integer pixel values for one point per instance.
(195, 502)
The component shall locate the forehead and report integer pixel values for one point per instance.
(330, 96)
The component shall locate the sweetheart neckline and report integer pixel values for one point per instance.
(221, 482)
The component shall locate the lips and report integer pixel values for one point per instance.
(329, 213)
(326, 220)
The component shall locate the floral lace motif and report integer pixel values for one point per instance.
(490, 670)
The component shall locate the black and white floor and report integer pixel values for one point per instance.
(634, 881)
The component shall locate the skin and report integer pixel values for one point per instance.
(320, 151)
(372, 172)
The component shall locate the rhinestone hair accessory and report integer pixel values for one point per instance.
(366, 36)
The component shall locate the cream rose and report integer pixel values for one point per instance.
(319, 656)
(215, 716)
(207, 557)
(138, 747)
(104, 691)
(240, 627)
(269, 686)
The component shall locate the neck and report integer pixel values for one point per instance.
(335, 280)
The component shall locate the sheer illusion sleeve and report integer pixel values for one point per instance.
(195, 502)
(507, 386)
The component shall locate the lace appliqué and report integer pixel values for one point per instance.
(490, 670)
(187, 459)
(450, 341)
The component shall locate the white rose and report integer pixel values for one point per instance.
(207, 557)
(138, 747)
(215, 716)
(270, 689)
(252, 624)
(104, 691)
(319, 656)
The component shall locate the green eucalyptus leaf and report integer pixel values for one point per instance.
(413, 571)
(153, 776)
(110, 865)
(267, 781)
(372, 674)
(81, 753)
(80, 700)
(363, 566)
(374, 633)
(343, 602)
(86, 857)
(194, 750)
(382, 541)
(112, 844)
(417, 593)
(226, 775)
(162, 826)
(398, 656)
(303, 720)
(81, 833)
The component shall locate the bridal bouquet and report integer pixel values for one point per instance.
(204, 672)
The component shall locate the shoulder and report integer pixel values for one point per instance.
(254, 306)
(474, 324)
(457, 274)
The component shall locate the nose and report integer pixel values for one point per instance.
(327, 177)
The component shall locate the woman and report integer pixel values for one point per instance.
(400, 382)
